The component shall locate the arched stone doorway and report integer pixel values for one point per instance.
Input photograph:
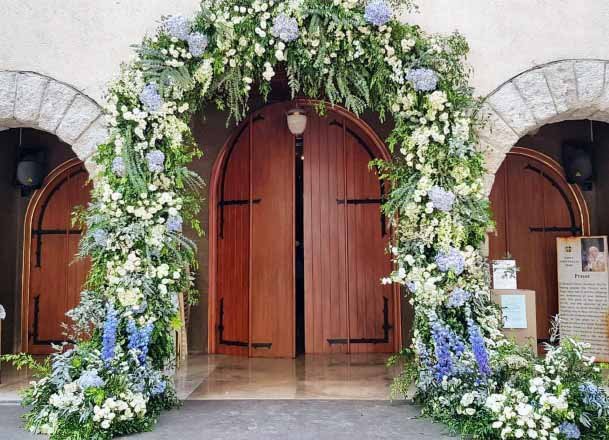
(553, 92)
(532, 205)
(52, 277)
(29, 100)
(336, 228)
(565, 90)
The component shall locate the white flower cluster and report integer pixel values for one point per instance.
(127, 406)
(516, 418)
(69, 398)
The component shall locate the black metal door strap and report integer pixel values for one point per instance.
(223, 203)
(266, 345)
(574, 230)
(383, 340)
(34, 334)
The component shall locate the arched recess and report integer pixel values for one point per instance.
(344, 122)
(29, 99)
(533, 204)
(558, 91)
(51, 277)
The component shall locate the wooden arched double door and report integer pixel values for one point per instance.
(532, 205)
(52, 277)
(299, 241)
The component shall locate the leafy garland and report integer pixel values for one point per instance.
(351, 52)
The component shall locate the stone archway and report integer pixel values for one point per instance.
(29, 99)
(553, 92)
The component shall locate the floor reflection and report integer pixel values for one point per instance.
(337, 376)
(202, 377)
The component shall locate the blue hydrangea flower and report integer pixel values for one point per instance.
(150, 97)
(118, 166)
(451, 260)
(458, 297)
(177, 26)
(378, 12)
(594, 396)
(109, 334)
(174, 223)
(158, 387)
(479, 348)
(156, 161)
(139, 338)
(90, 379)
(197, 43)
(285, 28)
(100, 237)
(412, 286)
(423, 80)
(441, 199)
(569, 430)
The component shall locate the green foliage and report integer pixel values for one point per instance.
(24, 360)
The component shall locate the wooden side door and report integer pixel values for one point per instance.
(346, 307)
(533, 205)
(272, 263)
(233, 244)
(56, 277)
(371, 304)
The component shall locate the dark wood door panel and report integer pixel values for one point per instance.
(345, 240)
(233, 243)
(370, 303)
(55, 276)
(272, 239)
(326, 307)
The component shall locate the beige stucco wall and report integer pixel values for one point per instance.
(82, 42)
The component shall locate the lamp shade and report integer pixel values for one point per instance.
(297, 121)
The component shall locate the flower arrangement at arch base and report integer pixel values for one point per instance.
(357, 54)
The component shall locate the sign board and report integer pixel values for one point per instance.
(504, 274)
(514, 309)
(583, 292)
(519, 315)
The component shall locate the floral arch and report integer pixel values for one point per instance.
(354, 53)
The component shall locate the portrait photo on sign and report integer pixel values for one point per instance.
(593, 255)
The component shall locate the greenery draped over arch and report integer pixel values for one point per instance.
(357, 54)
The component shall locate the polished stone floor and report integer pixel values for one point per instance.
(216, 377)
(362, 377)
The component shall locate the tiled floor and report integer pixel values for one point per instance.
(214, 377)
(358, 376)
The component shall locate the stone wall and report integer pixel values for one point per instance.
(32, 100)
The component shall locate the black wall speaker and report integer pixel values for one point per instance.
(577, 162)
(31, 168)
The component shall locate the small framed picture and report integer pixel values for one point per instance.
(504, 274)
